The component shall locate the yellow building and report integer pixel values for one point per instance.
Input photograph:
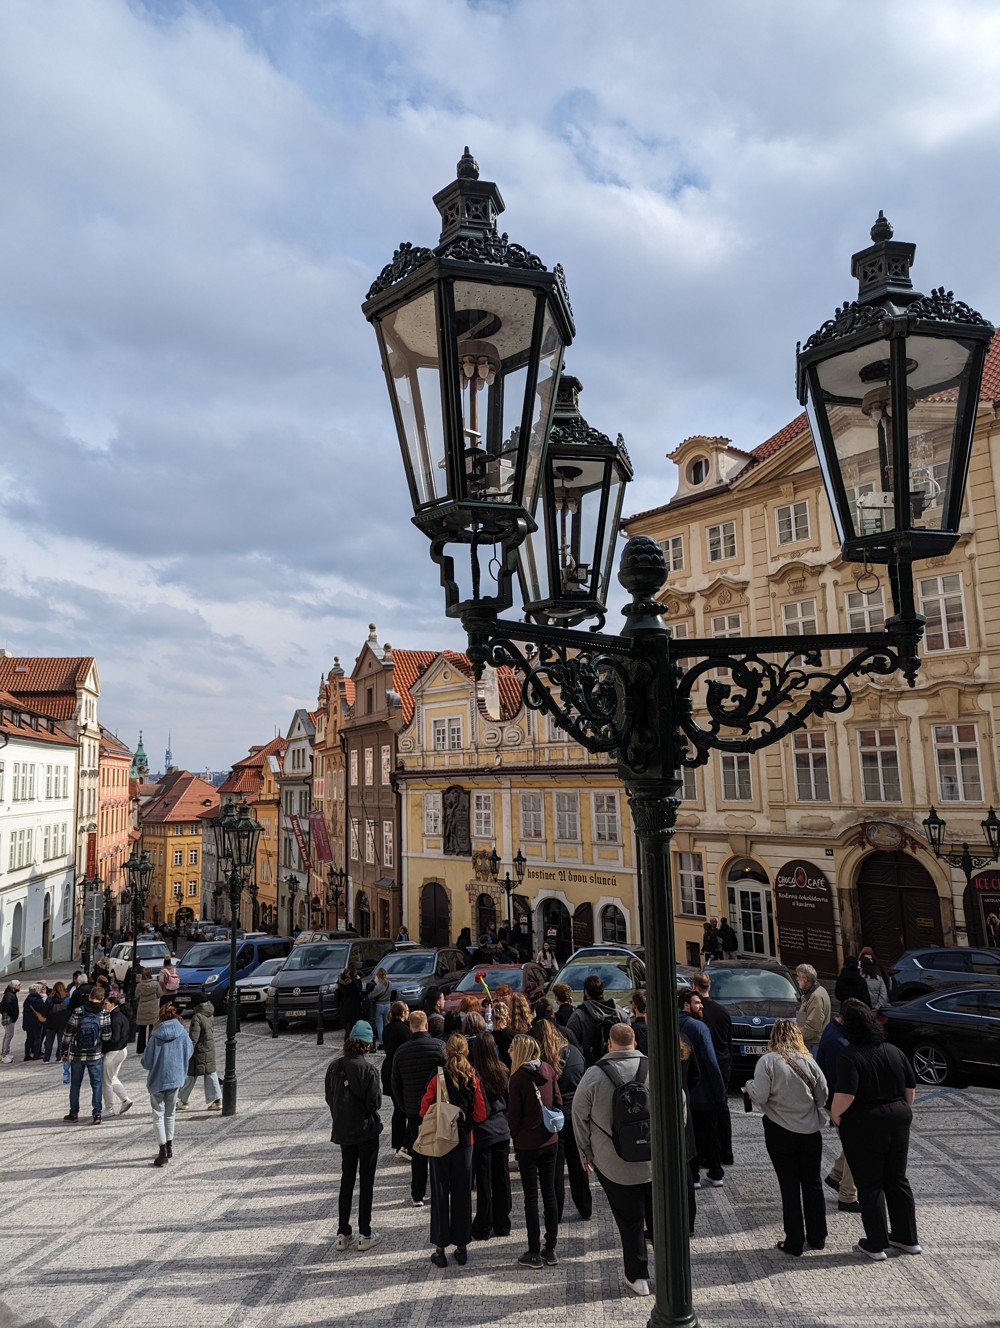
(255, 779)
(839, 806)
(476, 771)
(172, 836)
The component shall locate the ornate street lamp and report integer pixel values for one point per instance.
(236, 836)
(655, 702)
(507, 884)
(292, 885)
(138, 873)
(968, 863)
(334, 892)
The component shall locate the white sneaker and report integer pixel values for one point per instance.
(907, 1249)
(182, 1106)
(216, 1105)
(369, 1242)
(640, 1287)
(8, 1060)
(878, 1255)
(343, 1243)
(417, 1203)
(402, 1155)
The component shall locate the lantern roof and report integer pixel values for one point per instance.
(569, 426)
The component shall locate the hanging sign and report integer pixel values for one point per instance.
(803, 905)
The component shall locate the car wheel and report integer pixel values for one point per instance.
(931, 1064)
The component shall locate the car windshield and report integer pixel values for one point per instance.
(204, 955)
(402, 964)
(152, 951)
(514, 978)
(615, 977)
(319, 956)
(751, 984)
(268, 967)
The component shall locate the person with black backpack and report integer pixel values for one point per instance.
(354, 1096)
(87, 1034)
(612, 1129)
(592, 1021)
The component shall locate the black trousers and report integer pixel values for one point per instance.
(632, 1208)
(397, 1130)
(568, 1159)
(797, 1159)
(876, 1140)
(451, 1198)
(538, 1171)
(418, 1161)
(491, 1166)
(355, 1157)
(706, 1133)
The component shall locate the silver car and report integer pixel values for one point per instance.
(251, 992)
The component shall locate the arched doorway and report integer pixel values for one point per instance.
(583, 925)
(362, 914)
(184, 916)
(486, 915)
(435, 915)
(17, 933)
(557, 928)
(898, 905)
(523, 931)
(748, 896)
(47, 928)
(613, 925)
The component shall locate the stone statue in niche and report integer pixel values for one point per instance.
(457, 841)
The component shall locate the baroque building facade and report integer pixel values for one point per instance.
(815, 846)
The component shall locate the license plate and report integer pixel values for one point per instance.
(182, 1000)
(249, 996)
(753, 1048)
(294, 1014)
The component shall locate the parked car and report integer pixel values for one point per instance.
(948, 1034)
(415, 969)
(529, 979)
(251, 992)
(757, 993)
(684, 971)
(918, 972)
(314, 967)
(204, 970)
(620, 969)
(152, 954)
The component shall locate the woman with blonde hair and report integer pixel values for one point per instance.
(451, 1174)
(520, 1014)
(503, 1034)
(569, 1065)
(791, 1090)
(533, 1085)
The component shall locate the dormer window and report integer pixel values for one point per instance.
(697, 471)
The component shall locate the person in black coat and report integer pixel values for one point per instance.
(349, 998)
(567, 1060)
(413, 1065)
(395, 1032)
(354, 1097)
(720, 1025)
(850, 984)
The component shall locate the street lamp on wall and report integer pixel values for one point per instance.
(335, 878)
(138, 873)
(657, 703)
(968, 863)
(237, 834)
(507, 884)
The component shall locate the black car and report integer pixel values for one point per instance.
(314, 968)
(918, 972)
(948, 1034)
(413, 970)
(756, 994)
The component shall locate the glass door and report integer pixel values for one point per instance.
(750, 917)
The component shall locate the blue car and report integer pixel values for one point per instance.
(204, 970)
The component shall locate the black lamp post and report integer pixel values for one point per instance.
(236, 836)
(456, 317)
(335, 877)
(107, 911)
(508, 885)
(138, 872)
(967, 862)
(292, 885)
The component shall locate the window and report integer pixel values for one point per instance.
(792, 522)
(432, 813)
(1, 781)
(386, 762)
(865, 612)
(737, 785)
(369, 840)
(354, 767)
(941, 605)
(606, 818)
(192, 857)
(447, 734)
(613, 928)
(568, 817)
(178, 894)
(722, 541)
(812, 775)
(532, 816)
(482, 815)
(679, 631)
(47, 842)
(355, 838)
(178, 856)
(799, 617)
(387, 844)
(689, 783)
(691, 884)
(192, 889)
(956, 753)
(369, 766)
(879, 765)
(698, 470)
(48, 782)
(673, 552)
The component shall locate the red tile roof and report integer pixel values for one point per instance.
(181, 797)
(24, 673)
(20, 720)
(60, 705)
(245, 777)
(990, 390)
(408, 665)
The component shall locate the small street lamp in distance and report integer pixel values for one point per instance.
(335, 878)
(236, 836)
(967, 863)
(138, 871)
(508, 885)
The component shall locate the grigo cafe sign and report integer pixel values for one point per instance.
(803, 905)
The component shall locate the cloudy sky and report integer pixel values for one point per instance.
(199, 483)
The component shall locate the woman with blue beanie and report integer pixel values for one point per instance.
(354, 1096)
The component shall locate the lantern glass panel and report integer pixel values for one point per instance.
(616, 494)
(549, 369)
(578, 502)
(410, 347)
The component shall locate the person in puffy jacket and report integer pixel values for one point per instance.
(33, 1021)
(57, 1012)
(850, 984)
(533, 1084)
(354, 1096)
(349, 998)
(202, 1064)
(147, 1007)
(394, 1034)
(165, 1061)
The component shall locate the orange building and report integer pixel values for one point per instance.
(115, 820)
(172, 829)
(255, 778)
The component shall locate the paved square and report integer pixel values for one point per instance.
(237, 1231)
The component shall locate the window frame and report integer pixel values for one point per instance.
(810, 757)
(721, 534)
(532, 831)
(691, 884)
(956, 744)
(736, 771)
(940, 632)
(795, 535)
(876, 751)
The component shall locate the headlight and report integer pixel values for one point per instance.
(213, 978)
(327, 987)
(272, 991)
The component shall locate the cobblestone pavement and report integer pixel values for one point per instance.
(238, 1230)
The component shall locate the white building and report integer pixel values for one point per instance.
(295, 788)
(38, 788)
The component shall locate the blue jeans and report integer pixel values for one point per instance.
(76, 1073)
(381, 1015)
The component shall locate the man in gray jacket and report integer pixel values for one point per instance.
(628, 1185)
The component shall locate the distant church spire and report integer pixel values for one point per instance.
(139, 768)
(168, 756)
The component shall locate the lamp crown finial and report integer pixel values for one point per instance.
(468, 167)
(882, 230)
